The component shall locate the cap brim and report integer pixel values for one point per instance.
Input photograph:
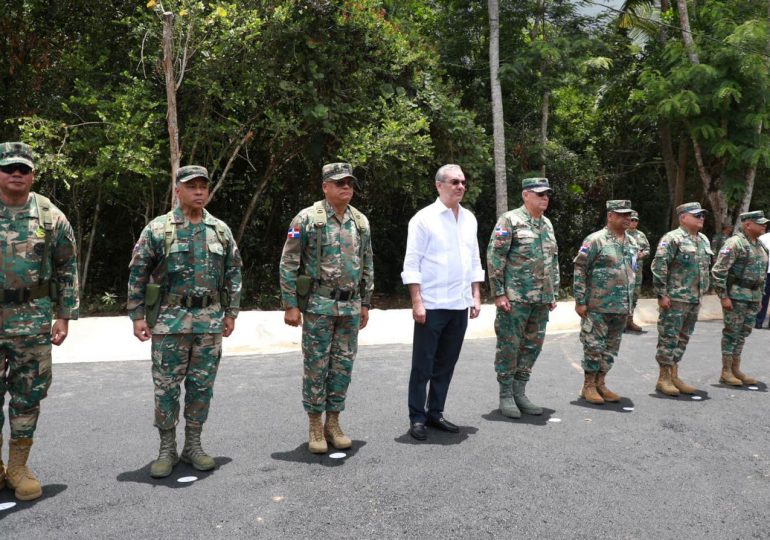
(13, 160)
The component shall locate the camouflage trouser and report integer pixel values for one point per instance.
(600, 335)
(520, 335)
(192, 358)
(637, 287)
(329, 346)
(25, 373)
(675, 326)
(738, 325)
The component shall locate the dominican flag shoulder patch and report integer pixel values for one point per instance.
(501, 232)
(293, 232)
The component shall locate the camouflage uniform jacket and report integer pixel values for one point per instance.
(346, 262)
(681, 266)
(23, 240)
(605, 273)
(741, 269)
(198, 265)
(522, 258)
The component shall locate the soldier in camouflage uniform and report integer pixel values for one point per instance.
(680, 277)
(523, 268)
(739, 275)
(644, 250)
(604, 281)
(39, 285)
(331, 243)
(192, 256)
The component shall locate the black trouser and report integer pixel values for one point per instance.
(435, 351)
(763, 307)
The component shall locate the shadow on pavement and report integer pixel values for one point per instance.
(302, 455)
(704, 396)
(759, 387)
(533, 420)
(436, 436)
(142, 476)
(6, 496)
(619, 406)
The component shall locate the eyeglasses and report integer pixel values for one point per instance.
(343, 182)
(21, 167)
(456, 182)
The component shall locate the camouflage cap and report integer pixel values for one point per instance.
(619, 206)
(337, 171)
(634, 215)
(690, 208)
(189, 172)
(537, 185)
(757, 216)
(16, 152)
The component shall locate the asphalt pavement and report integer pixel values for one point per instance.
(649, 467)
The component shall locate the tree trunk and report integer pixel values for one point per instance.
(173, 126)
(87, 259)
(498, 128)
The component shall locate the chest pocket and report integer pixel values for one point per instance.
(178, 256)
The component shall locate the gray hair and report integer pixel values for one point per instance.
(441, 172)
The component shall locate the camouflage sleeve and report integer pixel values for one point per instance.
(582, 261)
(664, 254)
(367, 269)
(497, 255)
(290, 262)
(725, 260)
(65, 271)
(233, 282)
(140, 268)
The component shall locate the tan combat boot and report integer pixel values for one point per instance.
(607, 394)
(589, 392)
(167, 455)
(2, 466)
(316, 443)
(665, 385)
(333, 432)
(739, 374)
(192, 452)
(727, 376)
(682, 386)
(18, 476)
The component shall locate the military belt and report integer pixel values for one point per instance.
(19, 296)
(191, 301)
(342, 295)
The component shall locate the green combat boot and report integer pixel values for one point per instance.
(167, 456)
(192, 452)
(2, 467)
(333, 432)
(507, 404)
(522, 401)
(316, 441)
(18, 476)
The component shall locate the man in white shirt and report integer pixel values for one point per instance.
(765, 239)
(442, 269)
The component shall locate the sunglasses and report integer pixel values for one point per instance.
(456, 182)
(10, 169)
(342, 182)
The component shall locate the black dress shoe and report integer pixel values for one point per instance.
(418, 431)
(443, 424)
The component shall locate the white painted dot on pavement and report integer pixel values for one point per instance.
(338, 455)
(187, 479)
(554, 420)
(628, 408)
(7, 506)
(753, 387)
(697, 398)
